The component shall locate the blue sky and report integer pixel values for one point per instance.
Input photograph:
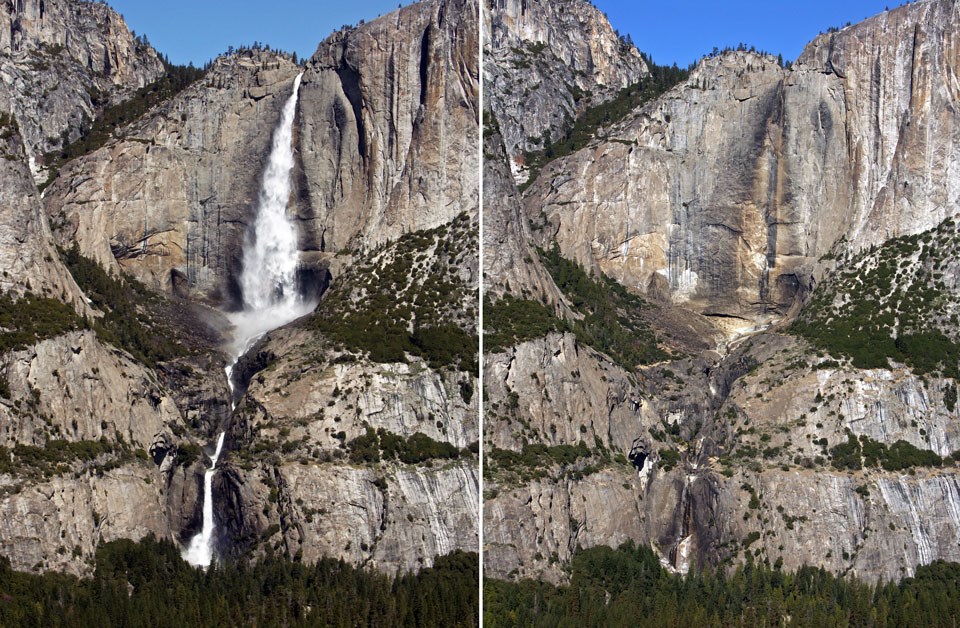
(682, 31)
(197, 31)
(678, 31)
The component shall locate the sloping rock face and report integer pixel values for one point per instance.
(546, 61)
(752, 194)
(45, 87)
(509, 247)
(27, 253)
(90, 438)
(61, 59)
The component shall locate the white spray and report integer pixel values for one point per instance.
(268, 285)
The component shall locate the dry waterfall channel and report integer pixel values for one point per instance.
(269, 286)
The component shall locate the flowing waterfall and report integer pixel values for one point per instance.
(268, 285)
(270, 255)
(200, 552)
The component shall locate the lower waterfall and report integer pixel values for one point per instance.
(200, 551)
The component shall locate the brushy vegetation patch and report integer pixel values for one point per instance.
(8, 129)
(890, 303)
(612, 320)
(8, 125)
(589, 125)
(30, 319)
(537, 461)
(508, 321)
(99, 131)
(377, 445)
(148, 584)
(629, 587)
(539, 456)
(408, 298)
(855, 454)
(188, 453)
(59, 456)
(127, 322)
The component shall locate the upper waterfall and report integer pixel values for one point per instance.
(270, 251)
(268, 280)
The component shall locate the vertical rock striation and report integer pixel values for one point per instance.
(389, 125)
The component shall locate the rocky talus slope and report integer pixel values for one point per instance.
(800, 219)
(104, 418)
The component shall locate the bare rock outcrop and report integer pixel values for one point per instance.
(27, 253)
(389, 125)
(62, 59)
(511, 263)
(548, 60)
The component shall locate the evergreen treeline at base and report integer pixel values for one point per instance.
(147, 584)
(629, 587)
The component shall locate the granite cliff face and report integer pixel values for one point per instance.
(101, 443)
(853, 140)
(745, 197)
(389, 125)
(170, 199)
(546, 62)
(95, 455)
(62, 61)
(292, 478)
